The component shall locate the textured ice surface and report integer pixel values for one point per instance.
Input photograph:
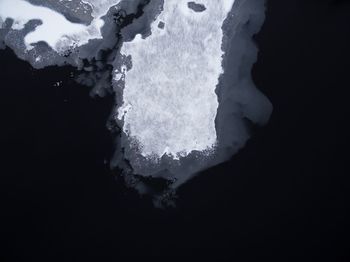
(169, 101)
(186, 97)
(58, 32)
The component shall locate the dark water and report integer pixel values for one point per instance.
(283, 196)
